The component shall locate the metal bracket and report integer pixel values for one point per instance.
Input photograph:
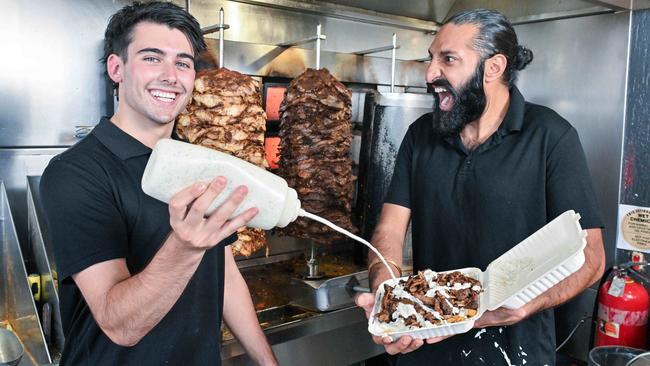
(318, 37)
(393, 47)
(217, 27)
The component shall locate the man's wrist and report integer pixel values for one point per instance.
(373, 265)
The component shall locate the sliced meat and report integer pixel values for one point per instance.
(316, 135)
(226, 114)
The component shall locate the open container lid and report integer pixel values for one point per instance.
(536, 264)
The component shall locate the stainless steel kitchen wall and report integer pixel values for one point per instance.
(579, 70)
(50, 75)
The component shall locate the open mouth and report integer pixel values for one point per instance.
(445, 98)
(163, 96)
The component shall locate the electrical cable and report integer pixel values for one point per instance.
(582, 321)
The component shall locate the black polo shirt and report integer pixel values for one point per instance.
(96, 211)
(470, 207)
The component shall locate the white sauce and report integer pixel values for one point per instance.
(478, 334)
(404, 310)
(429, 276)
(341, 230)
(505, 355)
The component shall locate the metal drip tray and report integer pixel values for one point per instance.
(281, 283)
(328, 294)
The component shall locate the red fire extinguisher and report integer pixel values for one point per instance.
(622, 317)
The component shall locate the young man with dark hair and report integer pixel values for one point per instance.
(142, 282)
(481, 173)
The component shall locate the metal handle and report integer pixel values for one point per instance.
(82, 131)
(360, 289)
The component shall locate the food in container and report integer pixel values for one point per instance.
(429, 298)
(524, 272)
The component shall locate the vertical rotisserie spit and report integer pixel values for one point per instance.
(316, 135)
(226, 114)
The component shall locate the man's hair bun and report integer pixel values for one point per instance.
(524, 57)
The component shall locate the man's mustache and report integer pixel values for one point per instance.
(442, 82)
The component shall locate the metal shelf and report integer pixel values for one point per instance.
(17, 307)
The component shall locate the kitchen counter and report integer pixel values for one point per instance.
(335, 338)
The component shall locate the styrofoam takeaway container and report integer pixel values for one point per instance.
(521, 274)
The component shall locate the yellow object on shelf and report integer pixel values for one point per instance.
(34, 280)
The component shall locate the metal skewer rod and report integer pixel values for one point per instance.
(392, 65)
(392, 47)
(318, 37)
(318, 47)
(215, 27)
(221, 38)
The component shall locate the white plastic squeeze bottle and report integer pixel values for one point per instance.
(175, 165)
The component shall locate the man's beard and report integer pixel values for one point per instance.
(469, 104)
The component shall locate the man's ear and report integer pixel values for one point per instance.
(495, 66)
(115, 68)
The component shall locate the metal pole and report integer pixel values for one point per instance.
(392, 65)
(187, 5)
(221, 31)
(318, 47)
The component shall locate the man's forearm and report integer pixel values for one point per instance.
(136, 304)
(390, 246)
(239, 314)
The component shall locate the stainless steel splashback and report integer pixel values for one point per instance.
(50, 75)
(53, 80)
(579, 70)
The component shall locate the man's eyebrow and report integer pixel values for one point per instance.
(152, 50)
(161, 52)
(185, 55)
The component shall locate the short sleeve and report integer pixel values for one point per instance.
(83, 219)
(568, 182)
(229, 240)
(399, 191)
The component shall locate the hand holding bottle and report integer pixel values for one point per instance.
(187, 210)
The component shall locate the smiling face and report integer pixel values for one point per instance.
(156, 82)
(456, 75)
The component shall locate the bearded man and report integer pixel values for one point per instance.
(481, 173)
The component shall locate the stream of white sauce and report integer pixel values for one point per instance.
(341, 230)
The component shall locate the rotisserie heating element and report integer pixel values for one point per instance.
(226, 114)
(316, 135)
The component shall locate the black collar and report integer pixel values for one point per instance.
(514, 119)
(117, 141)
